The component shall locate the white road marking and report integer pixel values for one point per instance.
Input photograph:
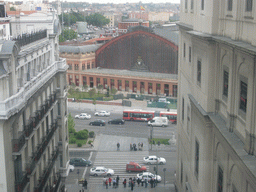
(86, 167)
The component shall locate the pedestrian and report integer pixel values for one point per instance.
(117, 180)
(130, 146)
(152, 182)
(85, 184)
(124, 182)
(132, 184)
(114, 183)
(138, 181)
(142, 181)
(141, 145)
(109, 181)
(118, 145)
(106, 183)
(130, 181)
(146, 183)
(155, 182)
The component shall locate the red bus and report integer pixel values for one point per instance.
(143, 115)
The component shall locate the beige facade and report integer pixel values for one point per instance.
(111, 18)
(216, 110)
(33, 114)
(158, 16)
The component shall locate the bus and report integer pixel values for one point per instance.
(144, 115)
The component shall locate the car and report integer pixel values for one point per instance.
(83, 116)
(79, 161)
(116, 121)
(148, 176)
(102, 113)
(98, 122)
(135, 167)
(101, 171)
(154, 160)
(71, 168)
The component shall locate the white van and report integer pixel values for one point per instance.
(158, 122)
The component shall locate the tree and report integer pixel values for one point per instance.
(97, 19)
(113, 91)
(71, 124)
(92, 92)
(94, 103)
(85, 87)
(67, 34)
(100, 87)
(12, 9)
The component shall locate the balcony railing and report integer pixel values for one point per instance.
(42, 181)
(26, 39)
(20, 185)
(16, 102)
(19, 143)
(41, 148)
(56, 183)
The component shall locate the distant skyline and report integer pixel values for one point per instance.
(123, 1)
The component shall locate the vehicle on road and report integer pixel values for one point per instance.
(71, 168)
(148, 176)
(83, 116)
(116, 121)
(144, 115)
(102, 113)
(135, 167)
(154, 160)
(98, 122)
(79, 161)
(101, 171)
(158, 122)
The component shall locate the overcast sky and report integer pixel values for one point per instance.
(124, 1)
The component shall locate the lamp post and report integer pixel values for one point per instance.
(151, 136)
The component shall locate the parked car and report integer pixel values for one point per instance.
(101, 171)
(102, 113)
(80, 162)
(98, 122)
(154, 160)
(116, 121)
(71, 168)
(83, 116)
(135, 167)
(148, 176)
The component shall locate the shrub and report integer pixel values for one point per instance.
(72, 140)
(90, 141)
(91, 134)
(79, 144)
(83, 134)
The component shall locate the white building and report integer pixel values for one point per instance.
(33, 113)
(4, 23)
(217, 92)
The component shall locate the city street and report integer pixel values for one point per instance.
(105, 151)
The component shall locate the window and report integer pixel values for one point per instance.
(225, 83)
(76, 67)
(184, 50)
(220, 179)
(189, 54)
(202, 4)
(93, 64)
(88, 66)
(182, 109)
(186, 4)
(230, 4)
(83, 66)
(70, 66)
(243, 96)
(197, 158)
(199, 64)
(192, 4)
(248, 5)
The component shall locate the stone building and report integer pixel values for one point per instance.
(217, 108)
(33, 114)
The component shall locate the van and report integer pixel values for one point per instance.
(158, 122)
(164, 100)
(135, 167)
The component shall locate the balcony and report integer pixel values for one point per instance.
(43, 179)
(56, 183)
(41, 148)
(17, 144)
(16, 102)
(26, 39)
(21, 185)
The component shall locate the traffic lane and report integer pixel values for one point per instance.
(167, 171)
(78, 172)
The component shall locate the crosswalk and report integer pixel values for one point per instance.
(117, 161)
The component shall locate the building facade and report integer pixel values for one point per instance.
(216, 110)
(126, 23)
(33, 114)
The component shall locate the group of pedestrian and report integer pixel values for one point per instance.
(108, 181)
(134, 147)
(85, 184)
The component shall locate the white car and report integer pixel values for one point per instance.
(71, 168)
(154, 160)
(148, 176)
(102, 113)
(101, 171)
(83, 116)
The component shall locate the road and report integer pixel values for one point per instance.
(106, 154)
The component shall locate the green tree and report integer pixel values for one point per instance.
(85, 87)
(113, 91)
(67, 34)
(92, 92)
(83, 134)
(94, 103)
(100, 87)
(12, 9)
(71, 124)
(97, 19)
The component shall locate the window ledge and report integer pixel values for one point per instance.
(231, 16)
(248, 17)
